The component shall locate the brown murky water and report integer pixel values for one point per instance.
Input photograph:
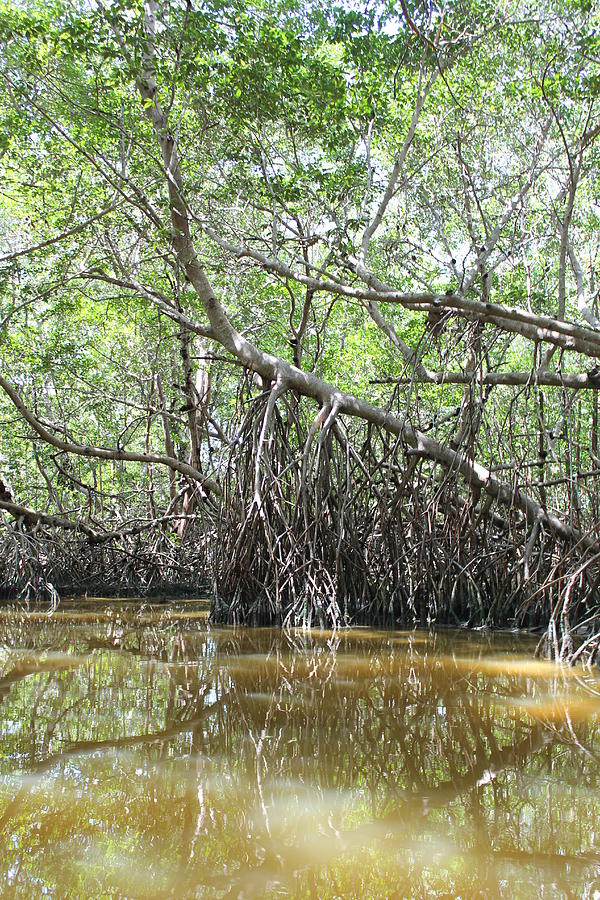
(145, 754)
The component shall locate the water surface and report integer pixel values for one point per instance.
(146, 754)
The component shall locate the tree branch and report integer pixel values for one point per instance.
(102, 453)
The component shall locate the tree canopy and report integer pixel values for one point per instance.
(304, 295)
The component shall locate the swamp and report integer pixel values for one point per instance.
(299, 448)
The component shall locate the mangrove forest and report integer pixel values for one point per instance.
(300, 449)
(299, 308)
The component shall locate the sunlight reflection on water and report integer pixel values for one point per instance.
(147, 754)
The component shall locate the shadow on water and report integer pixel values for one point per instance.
(147, 754)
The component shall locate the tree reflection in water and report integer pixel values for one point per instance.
(145, 754)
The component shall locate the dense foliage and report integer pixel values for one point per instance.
(215, 214)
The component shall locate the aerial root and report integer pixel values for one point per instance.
(355, 529)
